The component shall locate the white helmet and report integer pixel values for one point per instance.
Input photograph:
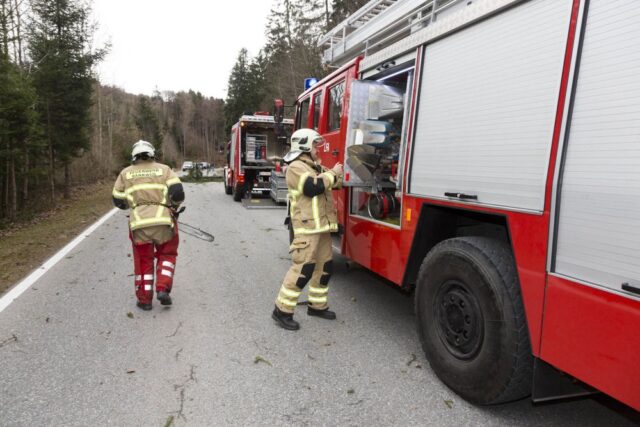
(301, 142)
(142, 147)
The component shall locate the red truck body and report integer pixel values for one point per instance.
(582, 317)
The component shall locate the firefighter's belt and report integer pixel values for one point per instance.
(151, 204)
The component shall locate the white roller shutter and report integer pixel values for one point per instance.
(598, 237)
(487, 106)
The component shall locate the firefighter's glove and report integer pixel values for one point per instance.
(175, 211)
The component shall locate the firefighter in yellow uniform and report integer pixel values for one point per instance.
(153, 192)
(313, 217)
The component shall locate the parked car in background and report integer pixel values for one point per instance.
(188, 165)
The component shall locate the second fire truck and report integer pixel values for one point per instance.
(256, 147)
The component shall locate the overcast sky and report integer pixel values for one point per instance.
(177, 45)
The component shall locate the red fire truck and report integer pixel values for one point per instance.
(492, 163)
(256, 145)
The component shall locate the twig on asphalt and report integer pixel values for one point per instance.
(13, 338)
(259, 359)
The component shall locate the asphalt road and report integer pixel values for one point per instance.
(215, 357)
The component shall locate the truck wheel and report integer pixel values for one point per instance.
(238, 192)
(227, 189)
(471, 320)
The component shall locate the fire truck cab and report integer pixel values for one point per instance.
(492, 164)
(256, 146)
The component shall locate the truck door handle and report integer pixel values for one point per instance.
(335, 152)
(462, 196)
(627, 287)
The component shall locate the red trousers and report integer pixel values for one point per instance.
(143, 257)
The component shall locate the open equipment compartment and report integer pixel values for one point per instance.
(376, 142)
(261, 146)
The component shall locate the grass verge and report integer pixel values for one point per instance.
(25, 246)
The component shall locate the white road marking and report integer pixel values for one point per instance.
(17, 290)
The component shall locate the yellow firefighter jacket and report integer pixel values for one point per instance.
(144, 187)
(311, 202)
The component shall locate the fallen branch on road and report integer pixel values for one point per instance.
(261, 359)
(13, 338)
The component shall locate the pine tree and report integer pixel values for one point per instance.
(18, 133)
(17, 118)
(59, 40)
(241, 97)
(341, 9)
(148, 124)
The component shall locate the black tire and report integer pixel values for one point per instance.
(471, 320)
(238, 193)
(227, 189)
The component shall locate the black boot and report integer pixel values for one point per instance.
(164, 298)
(325, 314)
(145, 307)
(285, 320)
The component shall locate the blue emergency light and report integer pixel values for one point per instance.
(309, 82)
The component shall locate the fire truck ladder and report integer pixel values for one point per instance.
(377, 25)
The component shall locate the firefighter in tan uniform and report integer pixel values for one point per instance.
(313, 217)
(153, 192)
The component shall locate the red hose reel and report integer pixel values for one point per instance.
(381, 204)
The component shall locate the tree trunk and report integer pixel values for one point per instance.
(52, 170)
(110, 133)
(18, 32)
(4, 52)
(326, 14)
(2, 206)
(14, 36)
(5, 195)
(206, 140)
(25, 182)
(184, 142)
(99, 125)
(14, 190)
(67, 180)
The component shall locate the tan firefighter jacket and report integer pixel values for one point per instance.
(144, 188)
(311, 202)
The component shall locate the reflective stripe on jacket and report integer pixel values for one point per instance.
(144, 187)
(317, 214)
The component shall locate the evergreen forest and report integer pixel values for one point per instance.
(60, 127)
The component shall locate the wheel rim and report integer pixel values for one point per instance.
(459, 320)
